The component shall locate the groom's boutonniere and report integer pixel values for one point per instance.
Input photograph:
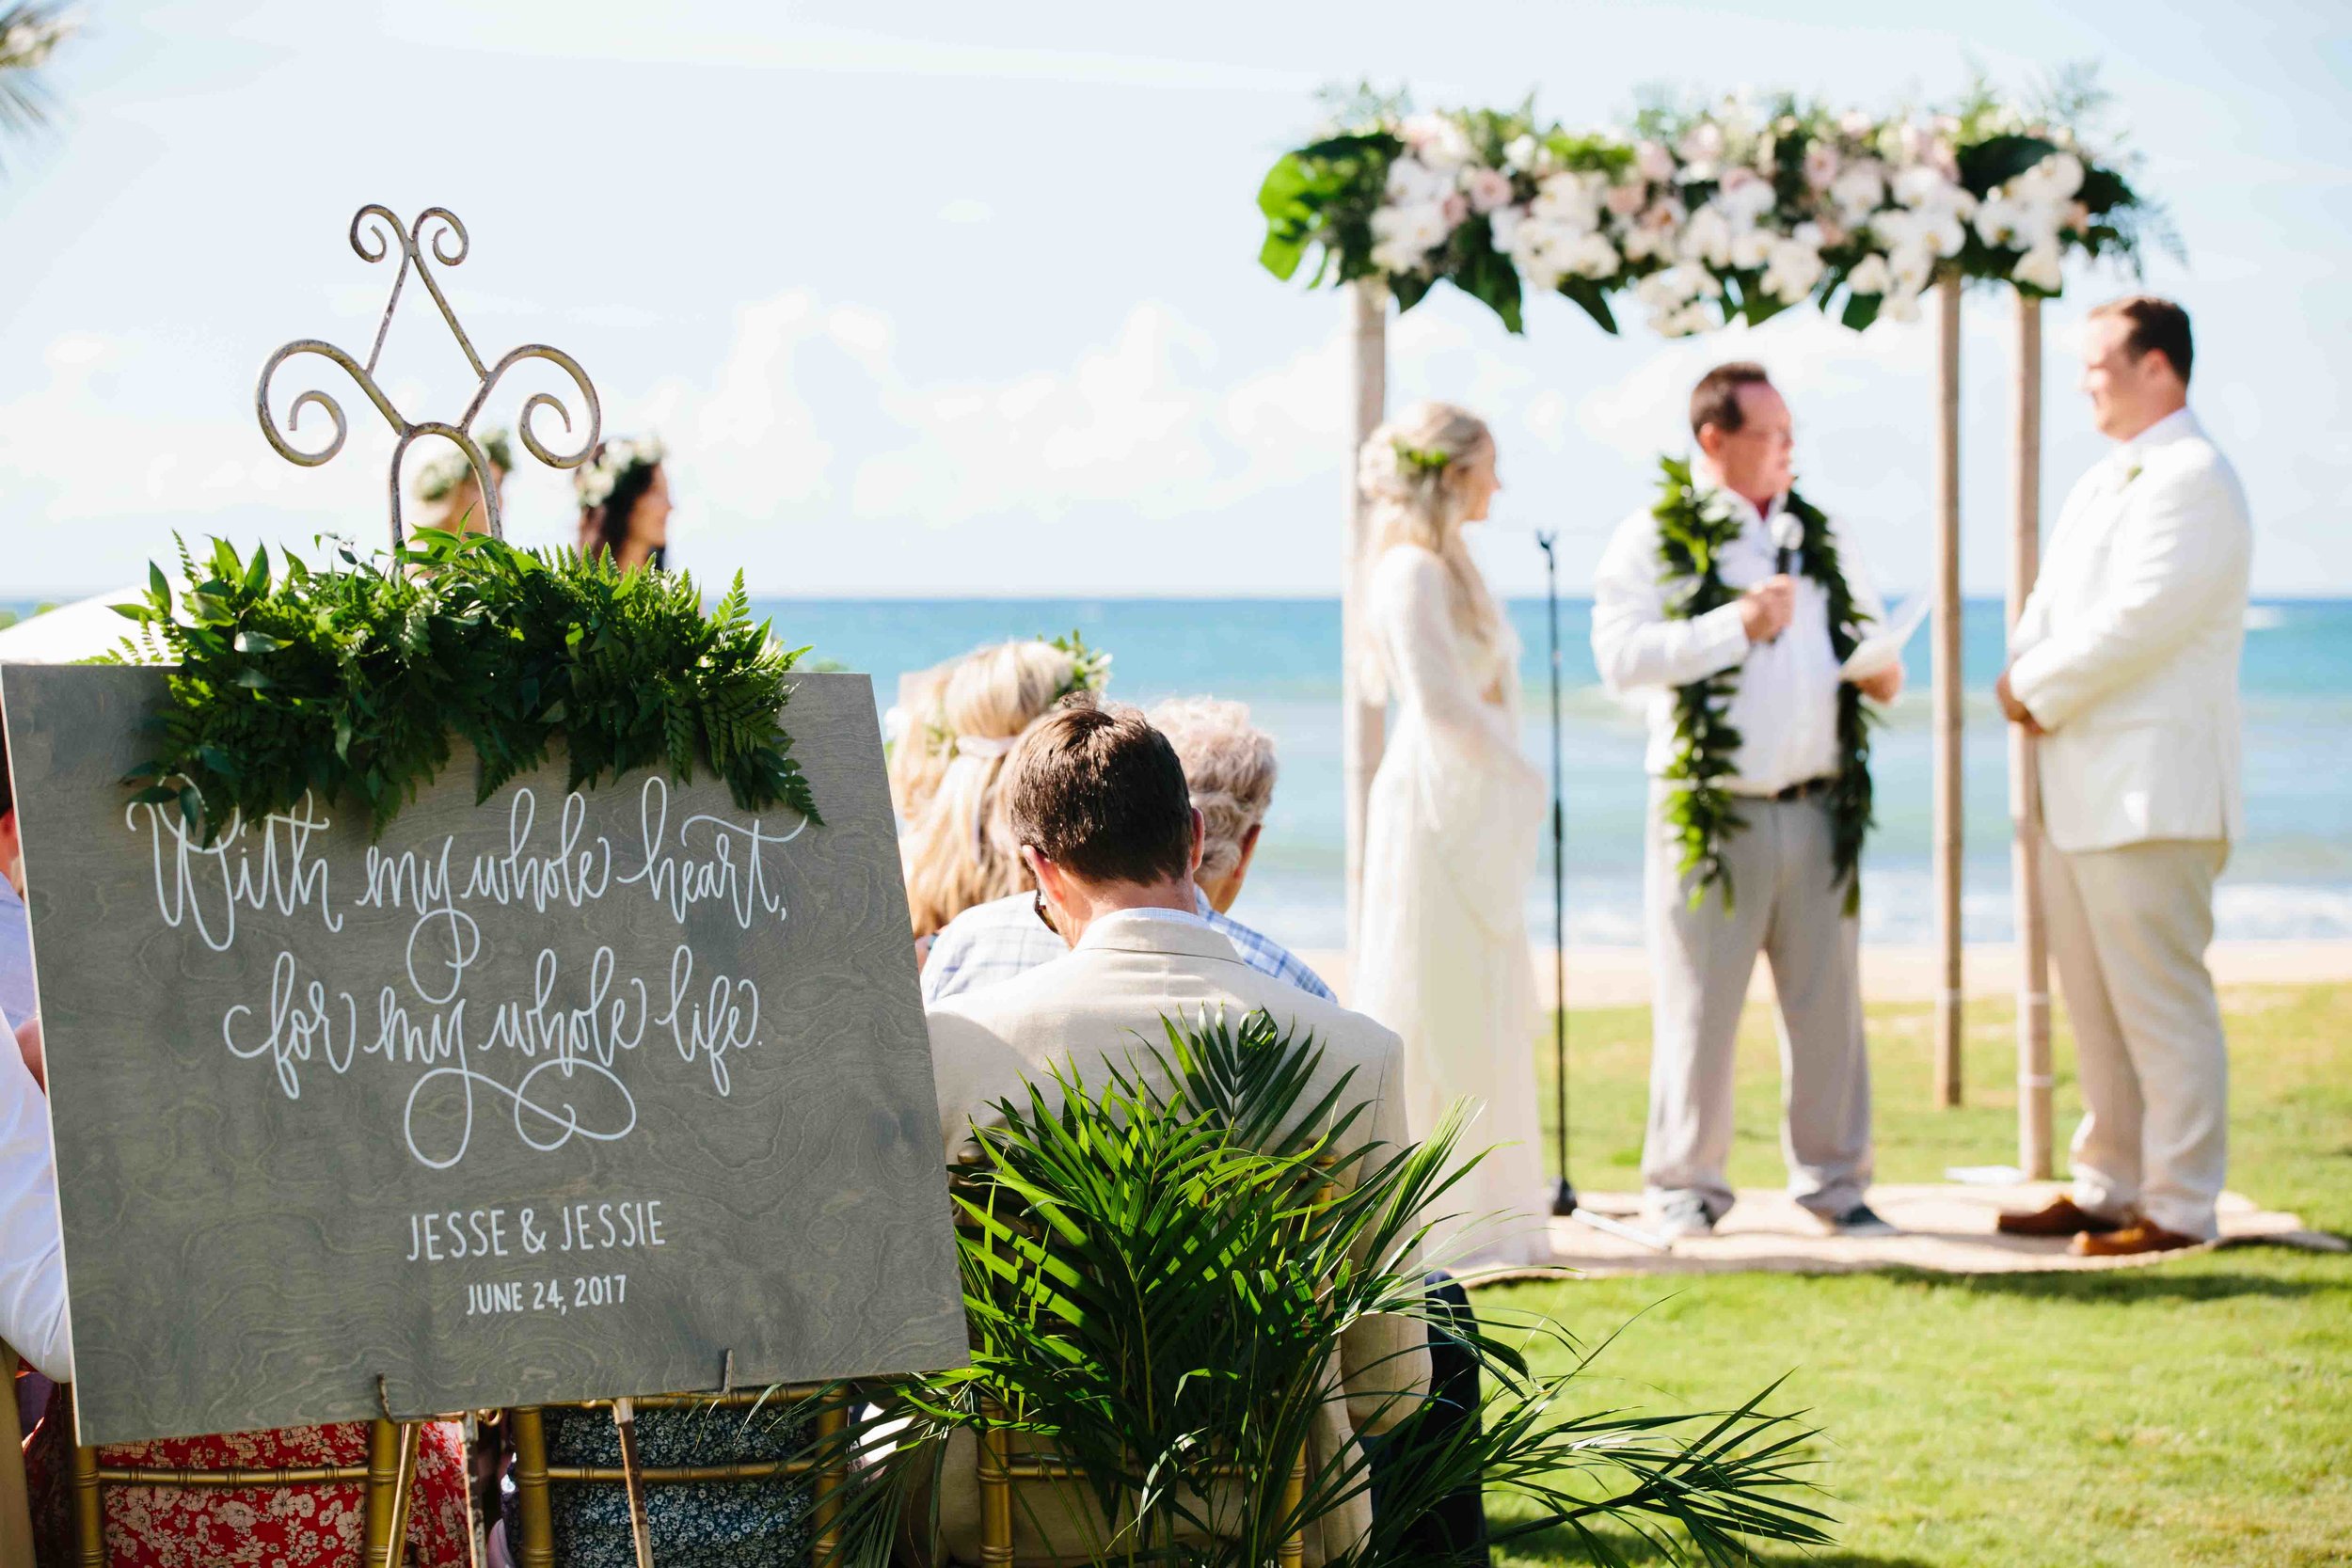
(2129, 474)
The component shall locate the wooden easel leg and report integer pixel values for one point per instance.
(633, 1482)
(537, 1548)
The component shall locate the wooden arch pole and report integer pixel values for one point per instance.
(1363, 725)
(1948, 802)
(2025, 776)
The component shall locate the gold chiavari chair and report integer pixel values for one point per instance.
(533, 1474)
(389, 1476)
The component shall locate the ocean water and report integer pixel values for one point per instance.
(2292, 878)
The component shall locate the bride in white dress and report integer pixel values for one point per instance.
(1451, 835)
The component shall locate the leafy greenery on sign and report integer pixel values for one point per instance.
(352, 682)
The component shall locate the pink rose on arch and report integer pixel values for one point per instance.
(1625, 200)
(1487, 189)
(1656, 163)
(1455, 207)
(1821, 166)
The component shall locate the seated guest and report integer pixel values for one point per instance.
(32, 1254)
(1097, 803)
(944, 770)
(1229, 766)
(16, 937)
(623, 494)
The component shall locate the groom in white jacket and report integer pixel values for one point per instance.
(2125, 660)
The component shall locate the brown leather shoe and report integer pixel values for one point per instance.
(2063, 1217)
(2131, 1240)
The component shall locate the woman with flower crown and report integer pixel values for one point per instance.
(1450, 836)
(624, 494)
(960, 722)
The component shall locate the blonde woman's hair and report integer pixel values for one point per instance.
(1413, 473)
(960, 728)
(1229, 766)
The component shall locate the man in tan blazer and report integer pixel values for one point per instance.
(2126, 661)
(1107, 825)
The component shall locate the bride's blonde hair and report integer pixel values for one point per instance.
(962, 720)
(1414, 475)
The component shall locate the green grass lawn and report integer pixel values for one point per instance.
(2191, 1412)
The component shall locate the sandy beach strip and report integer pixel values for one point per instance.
(1619, 976)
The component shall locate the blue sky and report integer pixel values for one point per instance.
(939, 299)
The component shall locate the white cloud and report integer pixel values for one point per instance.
(965, 209)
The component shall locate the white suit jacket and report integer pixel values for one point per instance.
(2127, 649)
(1108, 994)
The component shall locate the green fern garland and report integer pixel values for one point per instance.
(1694, 526)
(350, 682)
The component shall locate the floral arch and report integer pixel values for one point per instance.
(1730, 210)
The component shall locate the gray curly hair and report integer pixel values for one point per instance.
(1229, 767)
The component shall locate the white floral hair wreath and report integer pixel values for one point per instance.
(614, 461)
(446, 472)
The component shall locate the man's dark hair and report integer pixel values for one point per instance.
(1716, 399)
(1100, 792)
(2157, 324)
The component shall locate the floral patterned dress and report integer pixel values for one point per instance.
(288, 1527)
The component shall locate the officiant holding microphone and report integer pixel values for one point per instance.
(1729, 606)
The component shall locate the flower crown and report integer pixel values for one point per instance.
(1090, 669)
(614, 461)
(446, 472)
(1421, 459)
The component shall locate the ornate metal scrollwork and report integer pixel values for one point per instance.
(375, 231)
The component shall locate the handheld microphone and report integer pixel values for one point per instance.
(1789, 534)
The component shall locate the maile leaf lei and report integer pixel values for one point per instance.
(1694, 527)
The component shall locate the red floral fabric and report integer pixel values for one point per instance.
(289, 1526)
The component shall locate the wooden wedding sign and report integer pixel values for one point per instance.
(566, 1095)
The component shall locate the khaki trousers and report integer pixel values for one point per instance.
(1786, 906)
(2128, 931)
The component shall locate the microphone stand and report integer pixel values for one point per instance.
(1563, 1198)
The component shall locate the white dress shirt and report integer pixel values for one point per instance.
(32, 1250)
(2127, 650)
(1786, 708)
